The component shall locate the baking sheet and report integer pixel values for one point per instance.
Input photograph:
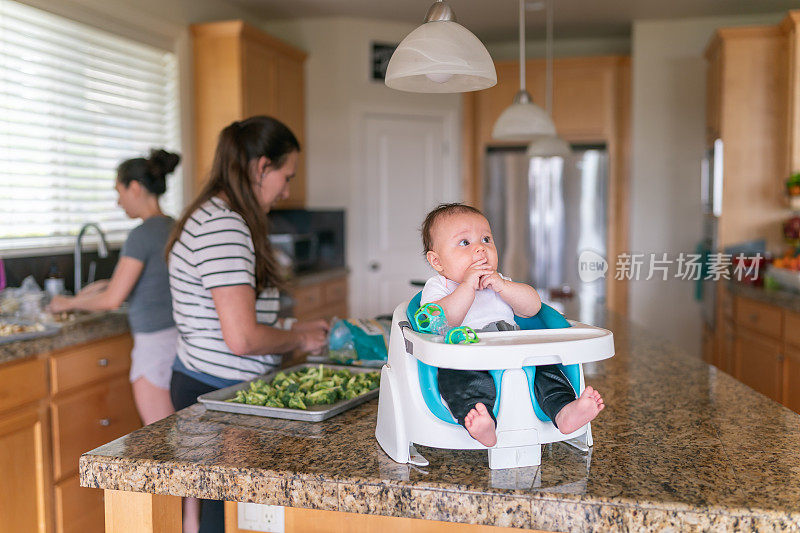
(215, 400)
(48, 331)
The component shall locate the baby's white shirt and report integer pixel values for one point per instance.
(487, 307)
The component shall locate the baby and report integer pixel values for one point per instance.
(458, 245)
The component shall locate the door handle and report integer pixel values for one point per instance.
(374, 266)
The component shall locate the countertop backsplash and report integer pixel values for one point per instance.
(328, 225)
(18, 268)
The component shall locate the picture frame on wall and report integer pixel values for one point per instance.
(380, 54)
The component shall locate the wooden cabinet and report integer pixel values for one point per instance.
(25, 492)
(239, 72)
(790, 28)
(762, 318)
(727, 356)
(746, 109)
(791, 378)
(78, 509)
(45, 427)
(91, 404)
(324, 299)
(759, 363)
(89, 418)
(760, 346)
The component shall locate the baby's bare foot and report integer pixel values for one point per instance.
(480, 425)
(575, 414)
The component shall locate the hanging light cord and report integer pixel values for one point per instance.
(521, 45)
(549, 59)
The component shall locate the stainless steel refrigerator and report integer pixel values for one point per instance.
(544, 213)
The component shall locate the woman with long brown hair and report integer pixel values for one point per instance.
(223, 276)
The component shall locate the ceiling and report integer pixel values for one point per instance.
(496, 20)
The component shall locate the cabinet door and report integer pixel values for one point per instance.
(259, 64)
(759, 363)
(728, 350)
(78, 509)
(791, 379)
(290, 109)
(90, 418)
(582, 94)
(713, 94)
(23, 462)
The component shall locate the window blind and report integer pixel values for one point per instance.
(76, 101)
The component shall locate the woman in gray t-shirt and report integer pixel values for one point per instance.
(141, 277)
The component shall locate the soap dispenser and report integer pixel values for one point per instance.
(54, 283)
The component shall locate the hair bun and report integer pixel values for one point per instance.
(162, 162)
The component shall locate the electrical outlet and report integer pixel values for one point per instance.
(260, 517)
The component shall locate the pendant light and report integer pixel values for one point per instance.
(553, 146)
(523, 120)
(441, 56)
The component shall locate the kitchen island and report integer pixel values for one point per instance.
(680, 445)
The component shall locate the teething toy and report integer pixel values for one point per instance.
(430, 318)
(461, 335)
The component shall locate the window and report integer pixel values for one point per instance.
(76, 101)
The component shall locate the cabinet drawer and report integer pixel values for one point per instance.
(335, 292)
(78, 509)
(791, 328)
(759, 364)
(22, 382)
(89, 418)
(307, 298)
(759, 317)
(91, 362)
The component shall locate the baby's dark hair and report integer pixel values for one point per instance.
(441, 211)
(151, 172)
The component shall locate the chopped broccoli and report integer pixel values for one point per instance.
(318, 385)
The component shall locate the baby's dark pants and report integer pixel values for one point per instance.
(463, 389)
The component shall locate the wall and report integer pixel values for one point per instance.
(337, 89)
(668, 140)
(506, 50)
(337, 83)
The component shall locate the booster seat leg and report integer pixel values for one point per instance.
(515, 457)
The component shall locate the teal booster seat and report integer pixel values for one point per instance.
(411, 410)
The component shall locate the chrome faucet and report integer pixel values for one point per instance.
(102, 251)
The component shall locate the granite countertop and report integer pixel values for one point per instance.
(84, 329)
(680, 445)
(782, 298)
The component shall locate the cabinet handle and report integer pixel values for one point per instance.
(753, 317)
(102, 362)
(105, 422)
(780, 357)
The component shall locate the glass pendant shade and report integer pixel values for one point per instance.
(523, 121)
(549, 147)
(441, 56)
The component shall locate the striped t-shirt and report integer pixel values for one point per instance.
(215, 249)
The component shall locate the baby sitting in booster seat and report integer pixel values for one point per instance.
(458, 245)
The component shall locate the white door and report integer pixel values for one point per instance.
(407, 171)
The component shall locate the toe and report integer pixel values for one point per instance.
(481, 409)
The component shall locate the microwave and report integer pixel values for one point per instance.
(302, 249)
